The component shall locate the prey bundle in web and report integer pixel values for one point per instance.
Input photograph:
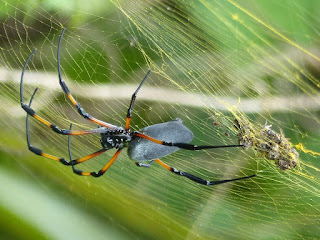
(269, 143)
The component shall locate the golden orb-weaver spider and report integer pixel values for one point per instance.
(148, 144)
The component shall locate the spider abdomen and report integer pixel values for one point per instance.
(141, 149)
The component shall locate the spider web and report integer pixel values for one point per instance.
(211, 62)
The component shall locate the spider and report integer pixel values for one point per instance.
(147, 145)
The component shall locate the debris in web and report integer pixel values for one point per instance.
(270, 144)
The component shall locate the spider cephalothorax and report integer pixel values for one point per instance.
(118, 138)
(149, 144)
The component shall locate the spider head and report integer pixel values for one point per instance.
(115, 139)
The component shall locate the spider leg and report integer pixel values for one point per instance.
(198, 179)
(182, 145)
(74, 102)
(133, 98)
(93, 174)
(139, 164)
(74, 169)
(32, 113)
(39, 152)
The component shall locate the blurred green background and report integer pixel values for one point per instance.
(205, 56)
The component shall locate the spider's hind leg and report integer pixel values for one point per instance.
(185, 146)
(198, 179)
(147, 165)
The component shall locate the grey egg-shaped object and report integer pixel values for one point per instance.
(141, 149)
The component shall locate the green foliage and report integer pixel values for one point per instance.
(220, 50)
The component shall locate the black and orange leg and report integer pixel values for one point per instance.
(182, 145)
(133, 98)
(39, 152)
(93, 174)
(32, 113)
(102, 171)
(198, 179)
(72, 99)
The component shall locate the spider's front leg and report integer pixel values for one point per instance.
(64, 87)
(39, 152)
(32, 112)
